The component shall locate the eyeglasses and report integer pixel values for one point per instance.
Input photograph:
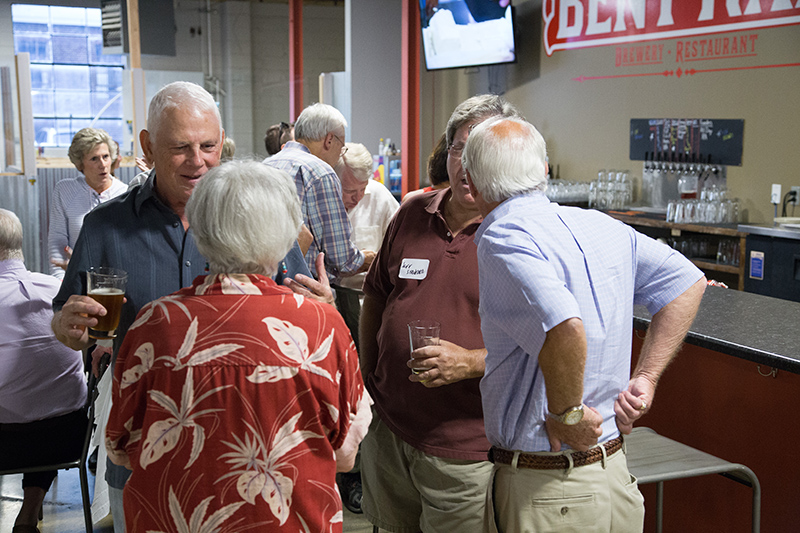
(454, 150)
(344, 148)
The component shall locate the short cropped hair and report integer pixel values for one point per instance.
(245, 217)
(179, 95)
(278, 135)
(478, 107)
(505, 157)
(318, 120)
(10, 236)
(437, 163)
(84, 142)
(358, 159)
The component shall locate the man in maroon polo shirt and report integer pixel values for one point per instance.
(424, 461)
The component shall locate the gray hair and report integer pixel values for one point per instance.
(478, 107)
(180, 95)
(358, 159)
(245, 217)
(84, 142)
(10, 236)
(318, 120)
(228, 149)
(505, 157)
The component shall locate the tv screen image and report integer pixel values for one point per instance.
(466, 33)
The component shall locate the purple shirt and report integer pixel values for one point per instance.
(39, 377)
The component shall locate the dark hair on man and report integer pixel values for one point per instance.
(437, 163)
(278, 135)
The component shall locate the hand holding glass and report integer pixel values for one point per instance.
(422, 333)
(107, 287)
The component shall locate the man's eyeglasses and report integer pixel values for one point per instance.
(344, 148)
(455, 150)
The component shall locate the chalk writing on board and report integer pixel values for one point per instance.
(678, 139)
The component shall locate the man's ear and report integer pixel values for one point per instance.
(147, 148)
(472, 190)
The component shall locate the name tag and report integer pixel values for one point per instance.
(414, 269)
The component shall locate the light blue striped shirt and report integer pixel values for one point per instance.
(541, 264)
(320, 195)
(72, 200)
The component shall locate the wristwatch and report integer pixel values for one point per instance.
(570, 417)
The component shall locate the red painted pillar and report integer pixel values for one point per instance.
(409, 146)
(295, 59)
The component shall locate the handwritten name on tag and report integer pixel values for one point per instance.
(414, 268)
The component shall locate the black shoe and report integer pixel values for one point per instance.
(92, 461)
(350, 489)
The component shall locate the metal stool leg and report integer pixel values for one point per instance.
(659, 507)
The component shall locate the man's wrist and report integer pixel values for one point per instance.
(569, 417)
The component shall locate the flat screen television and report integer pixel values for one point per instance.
(467, 33)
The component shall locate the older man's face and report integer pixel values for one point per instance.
(188, 143)
(352, 188)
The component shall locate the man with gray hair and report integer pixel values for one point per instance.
(309, 159)
(557, 289)
(42, 386)
(145, 232)
(423, 460)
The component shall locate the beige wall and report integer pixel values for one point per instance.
(586, 124)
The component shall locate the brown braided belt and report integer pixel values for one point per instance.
(555, 462)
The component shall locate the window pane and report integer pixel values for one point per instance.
(42, 77)
(115, 128)
(71, 77)
(38, 46)
(68, 19)
(28, 13)
(31, 27)
(73, 103)
(106, 79)
(97, 57)
(67, 128)
(99, 100)
(45, 131)
(43, 103)
(70, 49)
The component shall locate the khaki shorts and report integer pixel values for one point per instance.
(588, 499)
(406, 490)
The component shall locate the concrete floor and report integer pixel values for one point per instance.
(63, 512)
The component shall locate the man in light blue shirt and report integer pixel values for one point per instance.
(557, 289)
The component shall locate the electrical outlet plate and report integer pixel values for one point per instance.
(775, 198)
(796, 190)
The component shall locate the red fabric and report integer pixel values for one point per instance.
(230, 397)
(443, 421)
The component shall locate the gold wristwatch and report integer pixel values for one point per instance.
(570, 417)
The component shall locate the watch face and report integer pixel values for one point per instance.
(573, 417)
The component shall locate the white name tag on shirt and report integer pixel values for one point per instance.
(414, 268)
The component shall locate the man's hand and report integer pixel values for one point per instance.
(369, 257)
(71, 323)
(581, 436)
(63, 263)
(97, 356)
(311, 288)
(633, 403)
(445, 364)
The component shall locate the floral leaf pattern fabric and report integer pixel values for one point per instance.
(230, 398)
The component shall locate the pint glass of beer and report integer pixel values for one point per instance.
(107, 287)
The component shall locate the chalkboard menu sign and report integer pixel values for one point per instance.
(703, 140)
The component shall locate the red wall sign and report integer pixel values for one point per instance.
(584, 23)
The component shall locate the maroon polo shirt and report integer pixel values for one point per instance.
(445, 421)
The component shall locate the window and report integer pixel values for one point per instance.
(72, 81)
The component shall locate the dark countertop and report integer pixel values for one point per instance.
(757, 328)
(770, 230)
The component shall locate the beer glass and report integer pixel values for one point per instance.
(422, 333)
(107, 287)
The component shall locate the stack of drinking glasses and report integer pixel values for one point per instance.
(568, 192)
(613, 189)
(713, 207)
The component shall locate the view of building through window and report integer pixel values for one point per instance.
(73, 83)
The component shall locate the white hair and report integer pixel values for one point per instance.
(318, 120)
(478, 107)
(182, 95)
(10, 236)
(84, 142)
(505, 157)
(358, 159)
(245, 217)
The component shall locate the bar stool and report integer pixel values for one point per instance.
(653, 458)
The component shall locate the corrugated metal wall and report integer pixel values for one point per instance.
(30, 200)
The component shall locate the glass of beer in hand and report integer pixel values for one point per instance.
(422, 333)
(107, 287)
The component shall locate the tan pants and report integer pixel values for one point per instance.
(593, 498)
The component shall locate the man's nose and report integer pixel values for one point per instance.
(196, 156)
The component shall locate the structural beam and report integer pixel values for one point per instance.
(410, 95)
(295, 58)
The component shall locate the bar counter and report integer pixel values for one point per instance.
(732, 392)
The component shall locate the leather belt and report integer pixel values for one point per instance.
(555, 462)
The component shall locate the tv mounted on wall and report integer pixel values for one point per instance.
(467, 33)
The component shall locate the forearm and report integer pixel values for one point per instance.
(562, 360)
(371, 317)
(666, 333)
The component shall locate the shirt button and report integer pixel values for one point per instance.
(448, 233)
(174, 224)
(188, 263)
